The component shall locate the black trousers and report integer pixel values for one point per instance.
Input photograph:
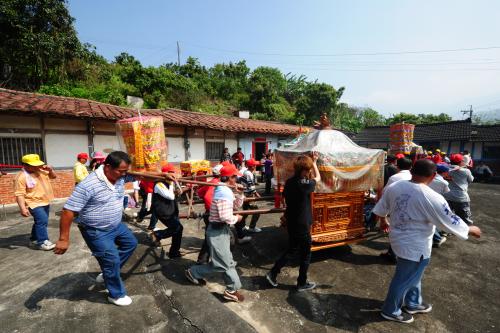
(268, 184)
(299, 247)
(462, 209)
(174, 230)
(253, 221)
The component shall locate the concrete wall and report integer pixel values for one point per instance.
(176, 151)
(61, 149)
(106, 143)
(197, 148)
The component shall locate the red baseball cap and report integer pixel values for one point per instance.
(400, 155)
(457, 158)
(229, 171)
(82, 155)
(252, 162)
(168, 168)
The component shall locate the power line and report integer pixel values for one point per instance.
(349, 54)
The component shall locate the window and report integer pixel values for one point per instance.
(491, 150)
(13, 149)
(213, 150)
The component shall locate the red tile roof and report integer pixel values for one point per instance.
(20, 102)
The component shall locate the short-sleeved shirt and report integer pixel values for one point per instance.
(80, 172)
(268, 167)
(97, 204)
(401, 175)
(439, 185)
(40, 194)
(415, 210)
(461, 177)
(298, 213)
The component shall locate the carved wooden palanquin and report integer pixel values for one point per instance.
(337, 219)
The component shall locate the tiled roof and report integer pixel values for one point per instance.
(452, 130)
(32, 103)
(485, 133)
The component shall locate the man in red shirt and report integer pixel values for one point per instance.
(238, 158)
(207, 193)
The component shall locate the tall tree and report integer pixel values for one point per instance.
(37, 41)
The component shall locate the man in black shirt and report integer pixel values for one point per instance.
(390, 168)
(298, 216)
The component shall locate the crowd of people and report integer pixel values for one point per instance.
(424, 200)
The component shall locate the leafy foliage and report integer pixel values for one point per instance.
(39, 50)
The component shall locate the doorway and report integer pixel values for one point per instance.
(259, 147)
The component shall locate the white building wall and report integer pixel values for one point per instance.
(246, 146)
(61, 149)
(478, 151)
(232, 144)
(468, 146)
(176, 151)
(106, 143)
(197, 148)
(455, 147)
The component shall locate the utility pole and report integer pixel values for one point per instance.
(178, 54)
(468, 111)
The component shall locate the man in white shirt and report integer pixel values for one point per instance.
(439, 185)
(404, 166)
(415, 211)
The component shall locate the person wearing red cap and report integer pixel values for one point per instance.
(218, 236)
(166, 210)
(248, 181)
(80, 171)
(458, 196)
(206, 193)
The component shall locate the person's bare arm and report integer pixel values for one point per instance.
(50, 170)
(22, 206)
(62, 244)
(317, 175)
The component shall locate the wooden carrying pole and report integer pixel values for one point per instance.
(244, 212)
(270, 198)
(179, 180)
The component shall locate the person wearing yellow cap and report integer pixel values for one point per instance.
(33, 193)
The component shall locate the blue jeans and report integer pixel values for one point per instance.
(39, 230)
(111, 248)
(437, 236)
(406, 286)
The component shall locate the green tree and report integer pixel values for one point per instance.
(266, 86)
(370, 117)
(318, 98)
(37, 42)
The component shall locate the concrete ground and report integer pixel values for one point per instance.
(41, 292)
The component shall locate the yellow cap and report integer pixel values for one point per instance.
(438, 150)
(33, 160)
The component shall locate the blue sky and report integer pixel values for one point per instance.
(313, 38)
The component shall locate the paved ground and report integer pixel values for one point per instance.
(42, 292)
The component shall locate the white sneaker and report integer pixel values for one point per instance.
(122, 301)
(47, 246)
(244, 240)
(99, 278)
(255, 230)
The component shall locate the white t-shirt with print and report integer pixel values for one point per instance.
(415, 210)
(401, 175)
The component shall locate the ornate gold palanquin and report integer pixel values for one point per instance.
(337, 219)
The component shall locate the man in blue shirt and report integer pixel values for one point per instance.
(96, 205)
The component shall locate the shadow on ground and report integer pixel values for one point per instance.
(341, 311)
(72, 287)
